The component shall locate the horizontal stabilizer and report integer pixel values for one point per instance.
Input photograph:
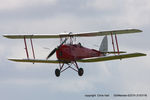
(35, 60)
(115, 57)
(82, 34)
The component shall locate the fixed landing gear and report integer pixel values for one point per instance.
(79, 70)
(57, 72)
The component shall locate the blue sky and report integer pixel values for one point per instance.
(37, 81)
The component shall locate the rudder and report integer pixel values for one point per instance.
(104, 45)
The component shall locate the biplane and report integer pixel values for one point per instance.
(70, 53)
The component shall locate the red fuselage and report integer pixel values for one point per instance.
(73, 52)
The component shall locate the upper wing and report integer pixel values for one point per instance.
(35, 60)
(114, 57)
(35, 36)
(89, 34)
(108, 32)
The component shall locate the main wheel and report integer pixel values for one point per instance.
(57, 72)
(80, 71)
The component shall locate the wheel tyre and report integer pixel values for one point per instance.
(57, 72)
(80, 71)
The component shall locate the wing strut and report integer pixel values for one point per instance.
(116, 42)
(113, 42)
(26, 48)
(32, 48)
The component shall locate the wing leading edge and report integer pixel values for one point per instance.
(88, 34)
(114, 57)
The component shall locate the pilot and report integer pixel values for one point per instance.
(79, 44)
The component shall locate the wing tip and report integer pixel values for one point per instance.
(143, 54)
(4, 36)
(137, 30)
(7, 36)
(11, 59)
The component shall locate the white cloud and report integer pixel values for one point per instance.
(24, 82)
(1, 53)
(53, 85)
(70, 85)
(52, 25)
(136, 13)
(16, 4)
(128, 13)
(2, 49)
(101, 4)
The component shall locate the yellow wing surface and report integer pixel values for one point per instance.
(35, 60)
(114, 57)
(85, 34)
(95, 59)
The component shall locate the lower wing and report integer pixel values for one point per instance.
(35, 60)
(114, 57)
(95, 59)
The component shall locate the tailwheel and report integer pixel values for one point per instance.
(57, 72)
(80, 71)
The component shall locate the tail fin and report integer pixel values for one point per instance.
(104, 45)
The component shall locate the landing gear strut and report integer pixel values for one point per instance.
(60, 70)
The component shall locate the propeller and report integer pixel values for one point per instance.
(55, 49)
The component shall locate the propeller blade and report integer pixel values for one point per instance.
(52, 52)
